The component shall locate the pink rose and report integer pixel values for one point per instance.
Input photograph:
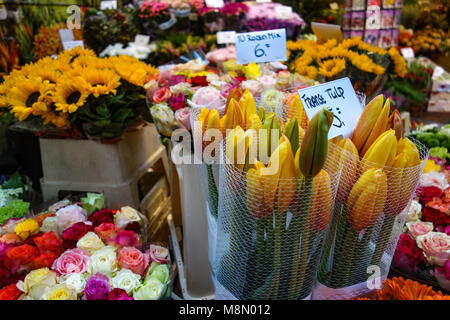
(132, 259)
(161, 95)
(183, 116)
(68, 216)
(71, 261)
(158, 254)
(209, 97)
(436, 247)
(254, 86)
(267, 82)
(419, 228)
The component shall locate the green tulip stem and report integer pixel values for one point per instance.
(359, 254)
(351, 239)
(303, 259)
(277, 251)
(383, 239)
(212, 188)
(339, 251)
(260, 226)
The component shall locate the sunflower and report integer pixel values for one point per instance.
(332, 67)
(32, 97)
(132, 70)
(70, 94)
(58, 119)
(48, 72)
(88, 61)
(68, 56)
(103, 81)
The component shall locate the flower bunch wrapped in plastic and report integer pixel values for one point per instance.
(70, 254)
(365, 65)
(79, 94)
(380, 172)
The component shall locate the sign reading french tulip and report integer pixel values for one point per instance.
(261, 46)
(340, 98)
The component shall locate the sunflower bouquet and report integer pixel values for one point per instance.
(365, 65)
(78, 94)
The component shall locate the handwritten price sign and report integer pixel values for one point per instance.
(340, 98)
(261, 46)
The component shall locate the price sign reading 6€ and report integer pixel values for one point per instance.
(261, 46)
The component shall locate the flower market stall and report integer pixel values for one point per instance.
(218, 150)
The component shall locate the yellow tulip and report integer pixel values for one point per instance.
(254, 122)
(321, 202)
(255, 191)
(270, 130)
(382, 152)
(239, 148)
(279, 181)
(397, 186)
(314, 148)
(367, 199)
(346, 155)
(407, 146)
(379, 127)
(367, 121)
(292, 132)
(235, 94)
(234, 116)
(430, 165)
(294, 109)
(247, 104)
(395, 123)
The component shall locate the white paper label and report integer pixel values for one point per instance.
(142, 39)
(283, 12)
(437, 72)
(261, 46)
(72, 44)
(340, 98)
(66, 35)
(224, 37)
(263, 1)
(110, 4)
(3, 13)
(407, 53)
(215, 3)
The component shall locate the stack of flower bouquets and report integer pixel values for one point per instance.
(380, 172)
(275, 199)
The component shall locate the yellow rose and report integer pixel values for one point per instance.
(60, 292)
(90, 242)
(26, 228)
(37, 282)
(252, 71)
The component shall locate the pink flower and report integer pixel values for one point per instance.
(119, 294)
(132, 259)
(68, 216)
(183, 116)
(161, 95)
(158, 254)
(106, 231)
(177, 102)
(71, 261)
(126, 238)
(97, 288)
(267, 81)
(436, 247)
(419, 228)
(442, 275)
(208, 97)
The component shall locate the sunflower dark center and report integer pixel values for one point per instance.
(32, 98)
(73, 97)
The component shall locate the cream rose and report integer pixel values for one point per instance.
(436, 247)
(37, 282)
(103, 261)
(415, 211)
(419, 228)
(60, 292)
(127, 280)
(151, 290)
(75, 280)
(125, 216)
(90, 242)
(49, 224)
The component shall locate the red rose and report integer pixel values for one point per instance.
(71, 235)
(102, 216)
(407, 255)
(30, 239)
(118, 294)
(49, 241)
(133, 226)
(437, 217)
(199, 81)
(23, 254)
(10, 292)
(45, 260)
(428, 193)
(106, 231)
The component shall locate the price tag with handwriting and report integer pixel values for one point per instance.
(340, 98)
(142, 39)
(261, 46)
(407, 53)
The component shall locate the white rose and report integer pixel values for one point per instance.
(151, 290)
(127, 280)
(90, 242)
(49, 224)
(75, 280)
(415, 211)
(103, 260)
(125, 216)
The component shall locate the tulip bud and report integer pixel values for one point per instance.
(407, 146)
(314, 148)
(255, 191)
(254, 122)
(235, 94)
(322, 201)
(378, 128)
(395, 123)
(382, 152)
(247, 104)
(270, 130)
(396, 186)
(295, 109)
(234, 116)
(367, 199)
(291, 131)
(262, 113)
(347, 155)
(367, 121)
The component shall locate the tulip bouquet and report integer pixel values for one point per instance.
(67, 253)
(275, 202)
(380, 172)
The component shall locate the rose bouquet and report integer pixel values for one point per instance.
(366, 66)
(66, 253)
(78, 95)
(424, 247)
(380, 172)
(230, 17)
